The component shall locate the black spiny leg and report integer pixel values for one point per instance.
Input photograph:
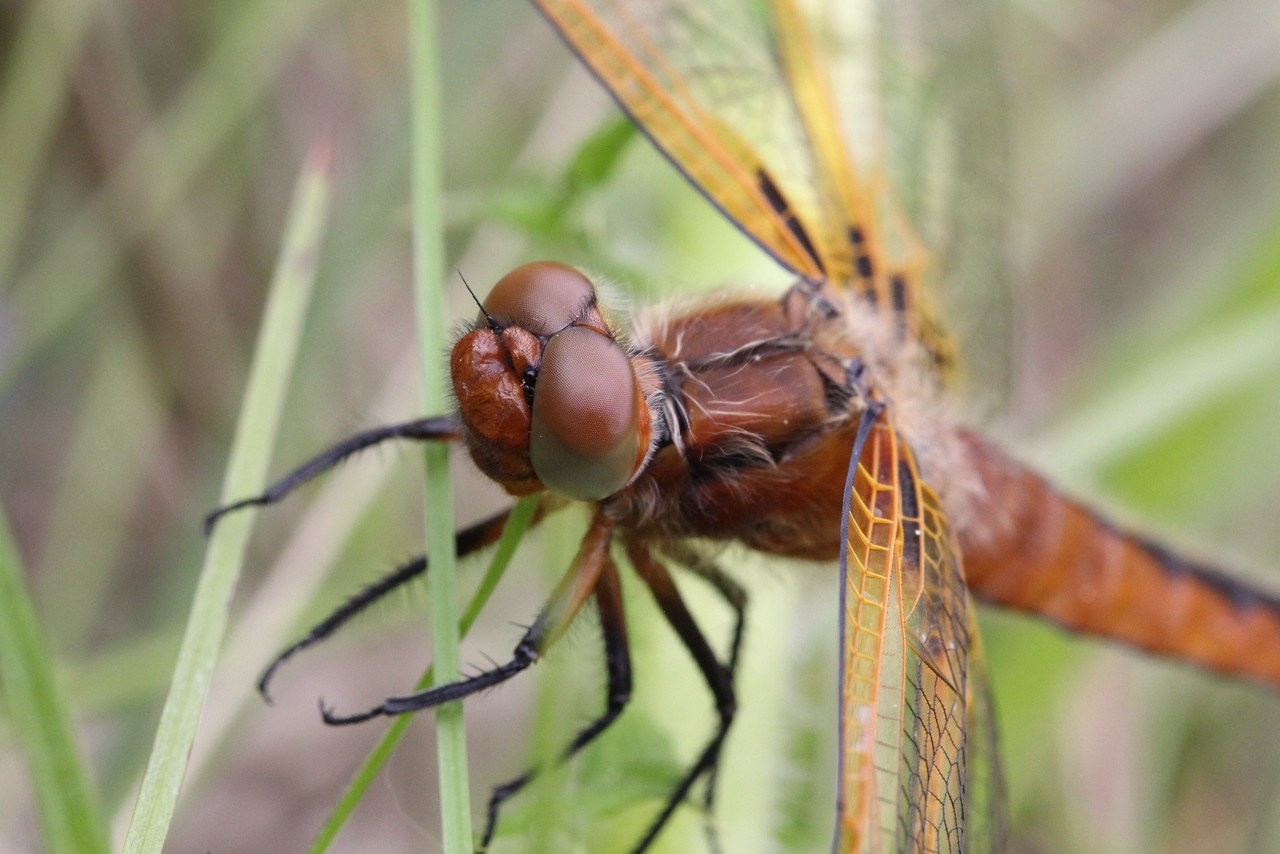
(467, 541)
(573, 590)
(617, 655)
(719, 679)
(445, 428)
(736, 597)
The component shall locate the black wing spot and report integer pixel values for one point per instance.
(861, 259)
(910, 504)
(898, 288)
(774, 197)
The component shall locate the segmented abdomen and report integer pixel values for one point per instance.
(1048, 554)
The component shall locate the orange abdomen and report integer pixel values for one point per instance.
(1055, 557)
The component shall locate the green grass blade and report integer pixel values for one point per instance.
(69, 814)
(1190, 376)
(521, 516)
(264, 399)
(428, 244)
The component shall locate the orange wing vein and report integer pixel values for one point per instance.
(739, 98)
(905, 702)
(625, 55)
(850, 221)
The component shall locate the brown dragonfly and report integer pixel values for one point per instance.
(803, 426)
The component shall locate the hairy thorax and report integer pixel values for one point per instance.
(763, 399)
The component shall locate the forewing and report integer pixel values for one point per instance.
(699, 80)
(903, 665)
(739, 96)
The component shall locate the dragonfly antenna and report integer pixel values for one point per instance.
(493, 324)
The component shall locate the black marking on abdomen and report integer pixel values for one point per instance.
(1239, 593)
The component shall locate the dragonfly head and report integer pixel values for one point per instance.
(548, 397)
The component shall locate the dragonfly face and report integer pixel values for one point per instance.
(804, 426)
(585, 433)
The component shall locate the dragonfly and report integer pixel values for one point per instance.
(802, 426)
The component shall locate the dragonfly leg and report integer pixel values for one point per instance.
(719, 678)
(444, 428)
(467, 541)
(613, 625)
(736, 597)
(556, 615)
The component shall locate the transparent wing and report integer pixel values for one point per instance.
(986, 798)
(904, 694)
(739, 96)
(941, 98)
(689, 75)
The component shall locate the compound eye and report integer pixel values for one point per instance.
(543, 297)
(584, 439)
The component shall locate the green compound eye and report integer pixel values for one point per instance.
(542, 297)
(584, 440)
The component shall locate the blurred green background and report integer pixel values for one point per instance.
(147, 155)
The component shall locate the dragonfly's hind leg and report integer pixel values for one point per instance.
(444, 428)
(719, 676)
(468, 540)
(733, 593)
(617, 654)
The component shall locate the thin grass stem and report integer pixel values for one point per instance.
(274, 358)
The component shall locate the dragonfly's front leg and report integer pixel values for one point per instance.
(467, 541)
(439, 429)
(577, 585)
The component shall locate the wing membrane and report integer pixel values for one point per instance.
(645, 53)
(941, 97)
(985, 795)
(938, 642)
(904, 693)
(738, 96)
(843, 136)
(871, 683)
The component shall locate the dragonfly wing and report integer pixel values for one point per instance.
(739, 97)
(941, 93)
(905, 641)
(986, 798)
(698, 78)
